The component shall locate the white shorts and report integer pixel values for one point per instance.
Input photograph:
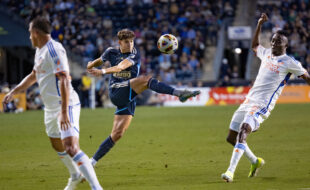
(251, 114)
(52, 123)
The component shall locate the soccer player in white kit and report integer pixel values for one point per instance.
(62, 104)
(275, 70)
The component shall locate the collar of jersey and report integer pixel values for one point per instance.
(280, 56)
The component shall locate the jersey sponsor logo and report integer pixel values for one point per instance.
(122, 74)
(273, 67)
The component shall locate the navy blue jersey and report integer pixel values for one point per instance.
(114, 56)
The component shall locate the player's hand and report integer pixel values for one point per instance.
(263, 18)
(89, 65)
(64, 121)
(8, 98)
(95, 72)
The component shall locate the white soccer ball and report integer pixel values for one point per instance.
(167, 44)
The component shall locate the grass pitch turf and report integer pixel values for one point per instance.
(163, 149)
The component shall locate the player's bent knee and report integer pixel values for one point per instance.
(72, 150)
(116, 135)
(145, 80)
(245, 130)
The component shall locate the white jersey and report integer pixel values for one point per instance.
(273, 74)
(49, 60)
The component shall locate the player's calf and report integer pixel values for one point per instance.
(232, 137)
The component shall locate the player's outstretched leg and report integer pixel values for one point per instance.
(147, 82)
(163, 88)
(82, 161)
(238, 151)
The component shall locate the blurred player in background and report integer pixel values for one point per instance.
(275, 70)
(62, 104)
(125, 85)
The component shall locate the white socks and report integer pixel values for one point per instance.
(236, 155)
(249, 154)
(83, 162)
(72, 167)
(93, 161)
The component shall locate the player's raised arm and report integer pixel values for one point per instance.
(95, 63)
(115, 69)
(28, 81)
(255, 41)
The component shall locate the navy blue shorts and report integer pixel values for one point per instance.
(123, 97)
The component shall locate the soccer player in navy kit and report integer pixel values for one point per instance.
(125, 84)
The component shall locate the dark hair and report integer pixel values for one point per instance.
(42, 24)
(125, 34)
(282, 32)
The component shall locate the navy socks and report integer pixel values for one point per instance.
(160, 87)
(104, 148)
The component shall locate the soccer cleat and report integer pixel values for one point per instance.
(255, 167)
(186, 94)
(228, 176)
(73, 183)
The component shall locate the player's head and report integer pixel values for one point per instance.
(279, 43)
(39, 28)
(126, 40)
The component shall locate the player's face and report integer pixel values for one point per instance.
(278, 44)
(126, 45)
(32, 36)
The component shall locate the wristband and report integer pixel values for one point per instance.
(103, 71)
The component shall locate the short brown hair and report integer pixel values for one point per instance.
(42, 24)
(125, 34)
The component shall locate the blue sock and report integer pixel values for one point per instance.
(104, 148)
(160, 87)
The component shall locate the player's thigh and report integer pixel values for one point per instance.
(121, 123)
(139, 84)
(52, 128)
(236, 120)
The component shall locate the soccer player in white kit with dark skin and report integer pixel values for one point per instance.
(275, 70)
(62, 104)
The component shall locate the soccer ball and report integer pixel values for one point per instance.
(167, 44)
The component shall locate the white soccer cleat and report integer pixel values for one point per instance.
(228, 176)
(73, 183)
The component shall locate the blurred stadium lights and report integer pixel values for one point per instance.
(238, 50)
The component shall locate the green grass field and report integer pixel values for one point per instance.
(164, 148)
